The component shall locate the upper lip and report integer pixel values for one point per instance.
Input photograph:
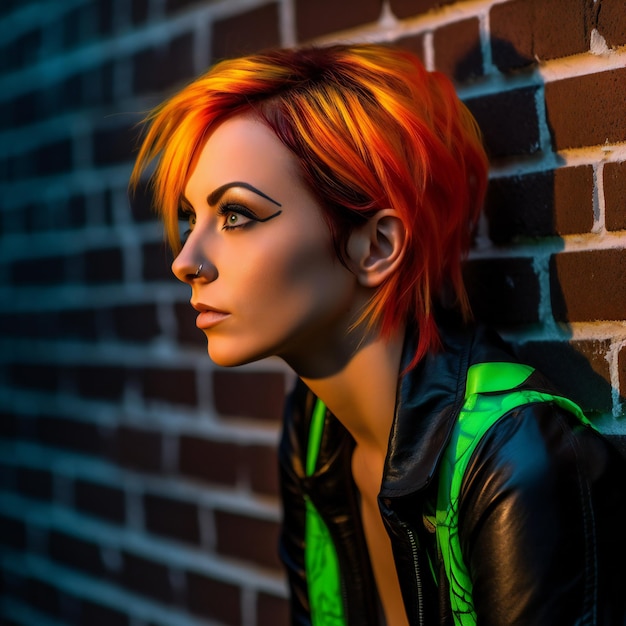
(202, 308)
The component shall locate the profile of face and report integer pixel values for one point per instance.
(270, 282)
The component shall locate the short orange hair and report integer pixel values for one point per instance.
(371, 129)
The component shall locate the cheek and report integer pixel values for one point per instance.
(290, 277)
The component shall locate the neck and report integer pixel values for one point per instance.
(362, 394)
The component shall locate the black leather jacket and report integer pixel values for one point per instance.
(542, 511)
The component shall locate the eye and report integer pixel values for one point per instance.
(236, 216)
(187, 221)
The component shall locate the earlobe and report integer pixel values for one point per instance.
(376, 249)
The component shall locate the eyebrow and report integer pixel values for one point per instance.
(214, 197)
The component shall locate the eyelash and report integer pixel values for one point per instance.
(223, 210)
(226, 208)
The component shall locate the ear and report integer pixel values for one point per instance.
(375, 249)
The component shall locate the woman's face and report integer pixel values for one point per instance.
(270, 282)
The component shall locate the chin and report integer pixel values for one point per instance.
(231, 358)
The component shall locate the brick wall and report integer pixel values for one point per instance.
(137, 481)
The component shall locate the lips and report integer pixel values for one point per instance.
(208, 316)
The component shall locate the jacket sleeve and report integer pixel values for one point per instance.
(292, 533)
(532, 512)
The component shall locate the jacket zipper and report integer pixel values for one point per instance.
(417, 571)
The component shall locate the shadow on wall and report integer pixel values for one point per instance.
(529, 283)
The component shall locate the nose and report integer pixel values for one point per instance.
(190, 265)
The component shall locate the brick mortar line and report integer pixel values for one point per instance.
(92, 238)
(24, 614)
(389, 27)
(100, 591)
(21, 21)
(167, 552)
(82, 296)
(63, 65)
(171, 426)
(557, 244)
(119, 47)
(571, 157)
(572, 331)
(90, 180)
(172, 422)
(612, 356)
(72, 466)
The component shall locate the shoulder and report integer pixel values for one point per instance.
(541, 456)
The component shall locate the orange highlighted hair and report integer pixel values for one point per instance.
(371, 129)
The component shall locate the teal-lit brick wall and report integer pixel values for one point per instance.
(138, 481)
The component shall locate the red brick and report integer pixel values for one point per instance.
(508, 121)
(272, 611)
(96, 614)
(76, 553)
(614, 178)
(187, 331)
(141, 204)
(170, 518)
(579, 370)
(261, 467)
(213, 461)
(79, 323)
(100, 500)
(12, 533)
(53, 158)
(525, 31)
(9, 422)
(247, 539)
(83, 437)
(573, 200)
(587, 110)
(34, 483)
(157, 261)
(621, 367)
(158, 68)
(27, 48)
(139, 11)
(540, 204)
(34, 376)
(172, 6)
(457, 50)
(147, 577)
(37, 271)
(412, 43)
(503, 292)
(322, 17)
(40, 595)
(169, 385)
(93, 381)
(409, 8)
(136, 322)
(213, 599)
(246, 32)
(103, 266)
(588, 286)
(611, 22)
(257, 395)
(139, 449)
(113, 145)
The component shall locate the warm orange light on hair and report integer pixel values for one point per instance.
(371, 129)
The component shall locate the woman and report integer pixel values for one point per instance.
(328, 198)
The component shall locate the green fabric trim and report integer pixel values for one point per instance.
(320, 557)
(491, 392)
(479, 413)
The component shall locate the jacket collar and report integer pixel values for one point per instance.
(429, 399)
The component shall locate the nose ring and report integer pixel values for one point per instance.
(198, 270)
